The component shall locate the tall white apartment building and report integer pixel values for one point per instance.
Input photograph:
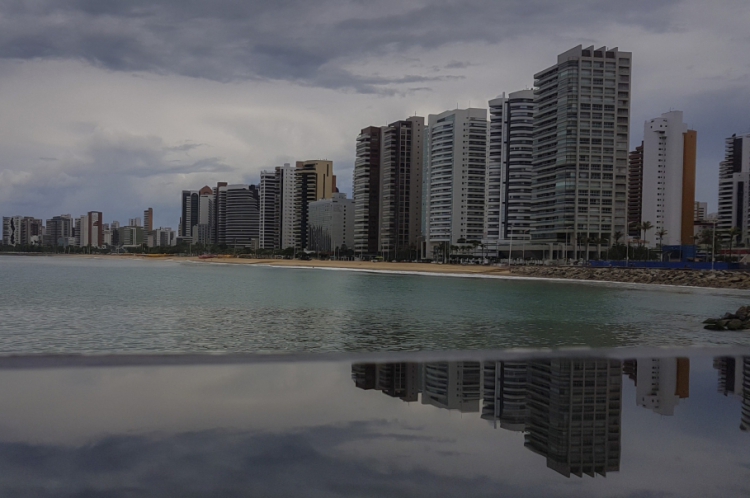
(734, 186)
(285, 205)
(668, 191)
(455, 176)
(510, 147)
(581, 137)
(331, 223)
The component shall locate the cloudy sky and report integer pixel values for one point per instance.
(118, 106)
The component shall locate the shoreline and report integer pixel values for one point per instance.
(631, 277)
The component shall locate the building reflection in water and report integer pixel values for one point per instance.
(734, 380)
(569, 410)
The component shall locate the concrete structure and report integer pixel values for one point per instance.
(455, 177)
(131, 237)
(242, 216)
(581, 137)
(453, 385)
(366, 191)
(400, 198)
(734, 187)
(22, 231)
(269, 219)
(59, 231)
(162, 237)
(668, 199)
(134, 222)
(734, 379)
(397, 380)
(575, 415)
(700, 212)
(661, 383)
(331, 224)
(635, 190)
(203, 233)
(509, 173)
(314, 180)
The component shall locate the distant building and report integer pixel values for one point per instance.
(190, 213)
(203, 233)
(455, 177)
(219, 228)
(134, 222)
(314, 180)
(701, 211)
(400, 197)
(331, 224)
(131, 237)
(668, 198)
(661, 383)
(89, 231)
(59, 231)
(734, 187)
(366, 191)
(22, 231)
(397, 380)
(635, 190)
(242, 216)
(284, 209)
(148, 220)
(162, 237)
(509, 174)
(505, 385)
(269, 203)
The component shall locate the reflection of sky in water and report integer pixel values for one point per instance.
(106, 305)
(287, 429)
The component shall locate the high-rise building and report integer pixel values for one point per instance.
(190, 209)
(575, 415)
(400, 198)
(269, 219)
(331, 224)
(366, 191)
(734, 379)
(219, 228)
(581, 136)
(22, 231)
(59, 231)
(508, 186)
(700, 212)
(314, 180)
(162, 237)
(397, 380)
(669, 155)
(453, 385)
(635, 190)
(285, 213)
(88, 230)
(203, 234)
(455, 177)
(134, 222)
(148, 220)
(662, 382)
(734, 187)
(242, 216)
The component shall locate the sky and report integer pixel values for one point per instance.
(119, 106)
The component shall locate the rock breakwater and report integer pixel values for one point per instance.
(696, 278)
(739, 320)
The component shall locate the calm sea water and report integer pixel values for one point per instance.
(107, 305)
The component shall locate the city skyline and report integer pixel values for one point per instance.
(90, 127)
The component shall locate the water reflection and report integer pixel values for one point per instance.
(569, 410)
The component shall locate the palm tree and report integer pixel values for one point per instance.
(733, 233)
(661, 233)
(646, 226)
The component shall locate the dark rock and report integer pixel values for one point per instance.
(722, 323)
(713, 326)
(734, 324)
(710, 320)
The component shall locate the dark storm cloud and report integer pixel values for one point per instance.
(308, 43)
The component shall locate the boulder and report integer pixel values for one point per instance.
(734, 324)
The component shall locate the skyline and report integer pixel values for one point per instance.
(105, 112)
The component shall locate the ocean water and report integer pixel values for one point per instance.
(108, 305)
